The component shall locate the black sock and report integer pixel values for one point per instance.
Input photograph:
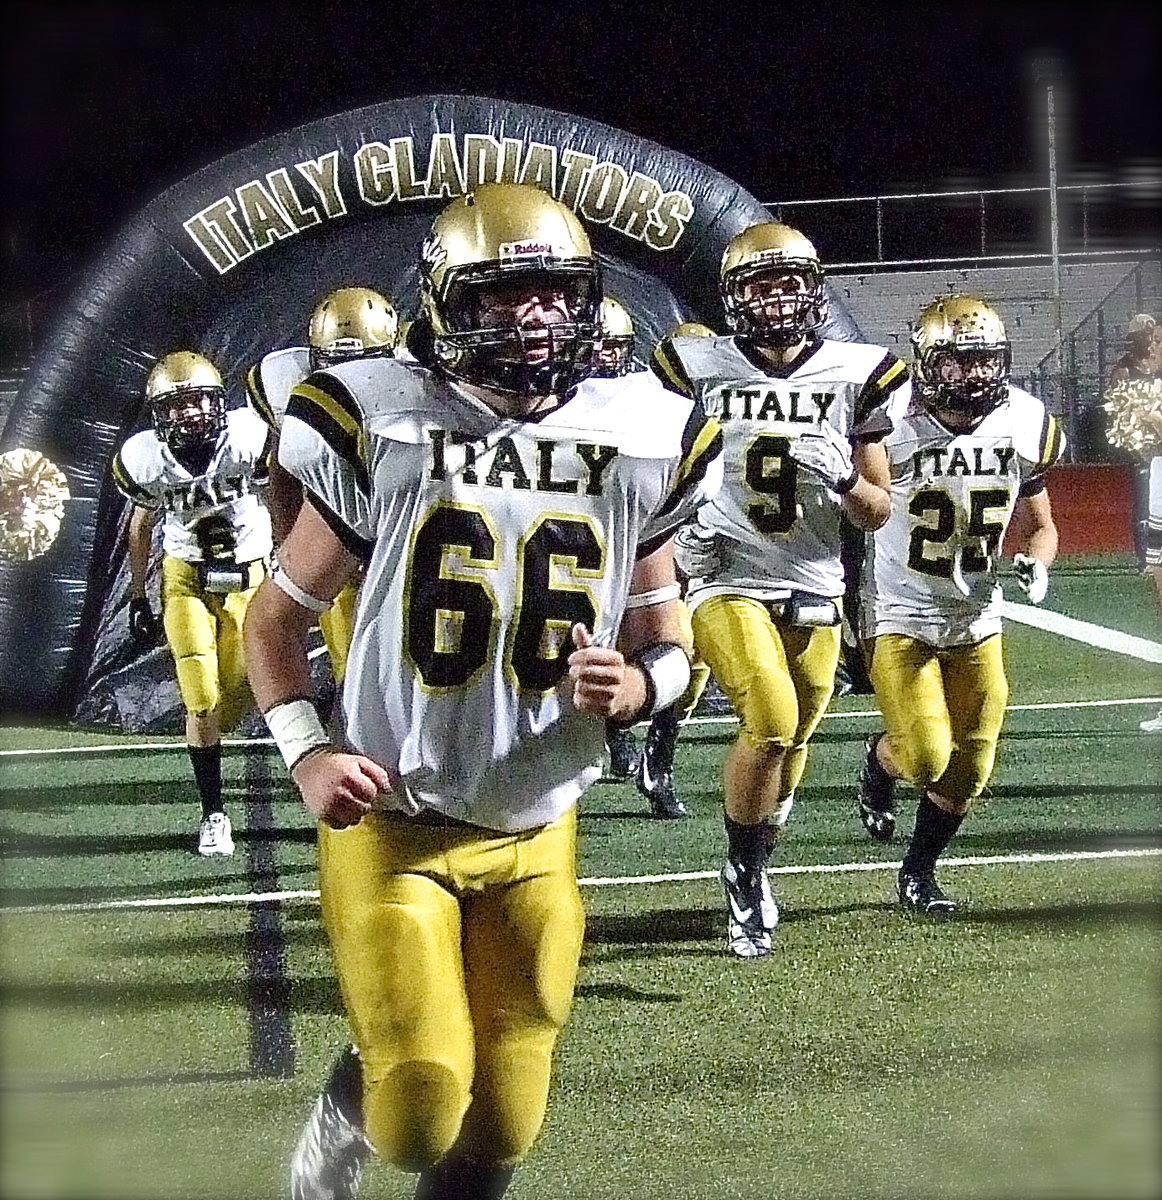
(345, 1085)
(935, 828)
(458, 1178)
(207, 762)
(662, 740)
(749, 845)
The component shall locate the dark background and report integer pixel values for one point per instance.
(108, 103)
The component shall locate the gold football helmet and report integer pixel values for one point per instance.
(487, 253)
(961, 356)
(691, 329)
(772, 285)
(615, 357)
(352, 322)
(187, 401)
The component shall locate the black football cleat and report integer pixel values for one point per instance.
(655, 775)
(876, 797)
(624, 755)
(922, 894)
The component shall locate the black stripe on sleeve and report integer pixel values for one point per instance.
(889, 375)
(359, 547)
(129, 487)
(693, 469)
(667, 365)
(335, 416)
(258, 397)
(1051, 439)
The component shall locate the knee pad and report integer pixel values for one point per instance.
(198, 682)
(413, 1114)
(922, 758)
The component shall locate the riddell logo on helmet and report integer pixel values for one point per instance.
(521, 249)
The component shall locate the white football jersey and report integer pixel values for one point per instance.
(486, 538)
(270, 380)
(221, 504)
(777, 523)
(931, 571)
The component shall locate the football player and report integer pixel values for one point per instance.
(347, 323)
(653, 770)
(615, 358)
(200, 469)
(968, 455)
(505, 505)
(802, 418)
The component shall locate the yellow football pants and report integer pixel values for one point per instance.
(687, 702)
(778, 677)
(204, 631)
(337, 624)
(457, 952)
(943, 710)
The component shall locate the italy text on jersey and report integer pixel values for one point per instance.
(933, 568)
(780, 523)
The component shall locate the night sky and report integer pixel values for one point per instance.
(108, 103)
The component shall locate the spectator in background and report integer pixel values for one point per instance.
(1143, 356)
(1134, 399)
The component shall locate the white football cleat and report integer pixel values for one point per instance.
(751, 910)
(215, 836)
(330, 1155)
(1153, 725)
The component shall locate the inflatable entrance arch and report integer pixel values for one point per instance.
(230, 262)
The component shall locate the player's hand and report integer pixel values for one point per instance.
(144, 626)
(339, 788)
(1032, 577)
(604, 684)
(825, 453)
(699, 554)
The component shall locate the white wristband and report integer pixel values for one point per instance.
(667, 672)
(671, 591)
(282, 580)
(296, 729)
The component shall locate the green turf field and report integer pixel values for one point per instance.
(152, 1051)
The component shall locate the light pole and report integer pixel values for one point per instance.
(1047, 71)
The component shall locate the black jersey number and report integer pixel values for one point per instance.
(771, 472)
(453, 620)
(937, 510)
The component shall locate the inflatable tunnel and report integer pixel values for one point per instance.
(231, 261)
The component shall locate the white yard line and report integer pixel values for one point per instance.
(1083, 631)
(137, 747)
(228, 898)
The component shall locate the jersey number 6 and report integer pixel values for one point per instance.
(453, 617)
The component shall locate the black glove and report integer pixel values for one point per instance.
(144, 627)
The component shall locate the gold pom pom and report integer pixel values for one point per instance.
(33, 491)
(1131, 403)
